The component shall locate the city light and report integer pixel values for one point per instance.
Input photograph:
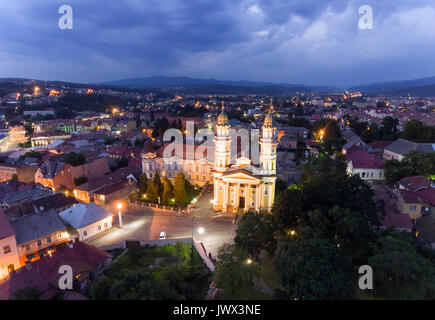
(201, 230)
(248, 261)
(119, 206)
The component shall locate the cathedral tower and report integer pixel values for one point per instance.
(268, 144)
(222, 142)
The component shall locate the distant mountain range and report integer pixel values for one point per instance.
(417, 87)
(162, 81)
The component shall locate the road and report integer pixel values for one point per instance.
(138, 225)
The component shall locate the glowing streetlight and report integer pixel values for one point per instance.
(119, 207)
(293, 233)
(248, 261)
(201, 230)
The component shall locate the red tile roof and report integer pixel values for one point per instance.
(427, 195)
(44, 273)
(398, 220)
(364, 160)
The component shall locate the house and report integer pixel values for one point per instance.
(88, 219)
(58, 202)
(22, 197)
(399, 148)
(9, 258)
(85, 192)
(410, 203)
(44, 275)
(367, 166)
(38, 233)
(111, 192)
(54, 174)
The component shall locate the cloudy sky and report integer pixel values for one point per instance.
(294, 41)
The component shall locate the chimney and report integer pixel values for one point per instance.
(28, 265)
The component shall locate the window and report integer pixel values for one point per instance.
(412, 208)
(105, 224)
(85, 233)
(11, 268)
(59, 236)
(6, 249)
(48, 239)
(99, 227)
(27, 247)
(39, 243)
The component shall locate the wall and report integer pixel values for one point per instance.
(9, 258)
(92, 229)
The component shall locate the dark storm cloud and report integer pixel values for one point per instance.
(312, 41)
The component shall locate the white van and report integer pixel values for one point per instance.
(162, 235)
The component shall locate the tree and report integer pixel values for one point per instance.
(158, 183)
(75, 159)
(255, 231)
(99, 289)
(280, 186)
(233, 274)
(180, 192)
(152, 191)
(313, 268)
(400, 272)
(346, 228)
(80, 180)
(168, 191)
(143, 183)
(328, 127)
(416, 131)
(29, 293)
(290, 208)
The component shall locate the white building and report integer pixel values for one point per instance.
(88, 219)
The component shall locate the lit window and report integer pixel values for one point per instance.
(6, 249)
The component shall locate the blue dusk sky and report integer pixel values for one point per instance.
(315, 42)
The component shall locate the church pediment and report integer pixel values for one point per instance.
(240, 175)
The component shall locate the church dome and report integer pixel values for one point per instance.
(223, 119)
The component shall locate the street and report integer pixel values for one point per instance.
(138, 225)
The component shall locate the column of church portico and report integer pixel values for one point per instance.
(225, 199)
(258, 193)
(237, 197)
(247, 198)
(272, 195)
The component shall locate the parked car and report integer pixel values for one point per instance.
(162, 235)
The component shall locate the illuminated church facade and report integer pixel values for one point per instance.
(238, 187)
(244, 186)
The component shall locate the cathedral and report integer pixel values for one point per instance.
(239, 184)
(244, 186)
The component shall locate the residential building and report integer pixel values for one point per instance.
(38, 233)
(88, 219)
(9, 258)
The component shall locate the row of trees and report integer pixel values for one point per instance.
(180, 193)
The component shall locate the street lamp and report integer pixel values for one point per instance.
(201, 230)
(119, 207)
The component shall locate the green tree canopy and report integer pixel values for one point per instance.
(314, 268)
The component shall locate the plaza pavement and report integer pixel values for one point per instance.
(144, 225)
